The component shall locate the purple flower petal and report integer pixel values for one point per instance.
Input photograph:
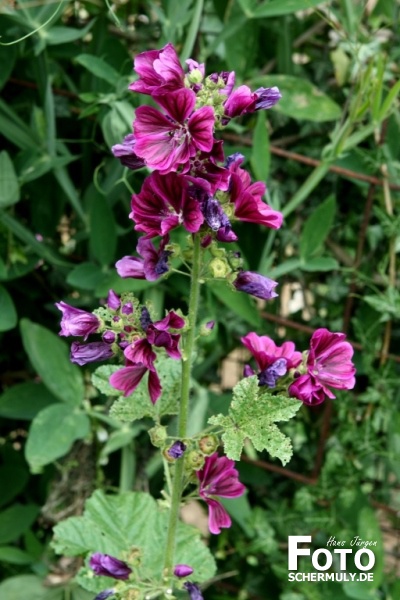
(109, 566)
(256, 285)
(82, 354)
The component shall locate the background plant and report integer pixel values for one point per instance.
(65, 102)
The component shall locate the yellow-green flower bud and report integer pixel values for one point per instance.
(194, 460)
(208, 444)
(158, 435)
(219, 268)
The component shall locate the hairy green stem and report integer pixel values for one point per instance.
(127, 470)
(187, 363)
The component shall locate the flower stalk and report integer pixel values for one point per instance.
(187, 363)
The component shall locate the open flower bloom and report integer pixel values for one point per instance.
(273, 361)
(218, 477)
(140, 356)
(164, 203)
(76, 321)
(109, 566)
(159, 71)
(329, 365)
(152, 265)
(167, 141)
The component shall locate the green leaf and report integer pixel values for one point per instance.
(25, 400)
(98, 67)
(103, 234)
(369, 529)
(26, 586)
(239, 302)
(320, 263)
(316, 228)
(300, 99)
(16, 130)
(112, 281)
(8, 314)
(138, 405)
(85, 276)
(117, 122)
(260, 156)
(16, 477)
(14, 521)
(9, 187)
(276, 8)
(252, 414)
(64, 35)
(52, 433)
(50, 357)
(113, 524)
(14, 556)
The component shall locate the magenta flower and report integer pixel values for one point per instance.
(256, 285)
(273, 361)
(247, 197)
(159, 71)
(76, 321)
(328, 364)
(164, 203)
(130, 266)
(218, 477)
(109, 566)
(82, 354)
(113, 300)
(204, 165)
(243, 101)
(227, 77)
(168, 141)
(151, 266)
(182, 570)
(126, 153)
(140, 356)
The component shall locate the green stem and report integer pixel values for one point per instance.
(127, 469)
(193, 30)
(187, 363)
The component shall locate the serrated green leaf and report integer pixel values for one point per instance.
(9, 186)
(138, 405)
(8, 314)
(252, 414)
(317, 228)
(52, 433)
(50, 357)
(300, 99)
(113, 524)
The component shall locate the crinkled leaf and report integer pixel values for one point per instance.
(252, 414)
(113, 524)
(138, 405)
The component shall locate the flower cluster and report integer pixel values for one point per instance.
(192, 184)
(308, 376)
(128, 332)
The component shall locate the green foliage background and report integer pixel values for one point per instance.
(330, 154)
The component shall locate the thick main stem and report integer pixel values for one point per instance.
(184, 404)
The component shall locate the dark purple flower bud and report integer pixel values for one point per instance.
(176, 451)
(226, 234)
(271, 374)
(109, 337)
(76, 321)
(193, 590)
(256, 285)
(248, 371)
(228, 77)
(213, 213)
(104, 594)
(145, 319)
(113, 300)
(206, 241)
(116, 319)
(210, 324)
(127, 309)
(267, 97)
(109, 566)
(81, 354)
(182, 570)
(126, 153)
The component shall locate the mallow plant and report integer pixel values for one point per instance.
(134, 546)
